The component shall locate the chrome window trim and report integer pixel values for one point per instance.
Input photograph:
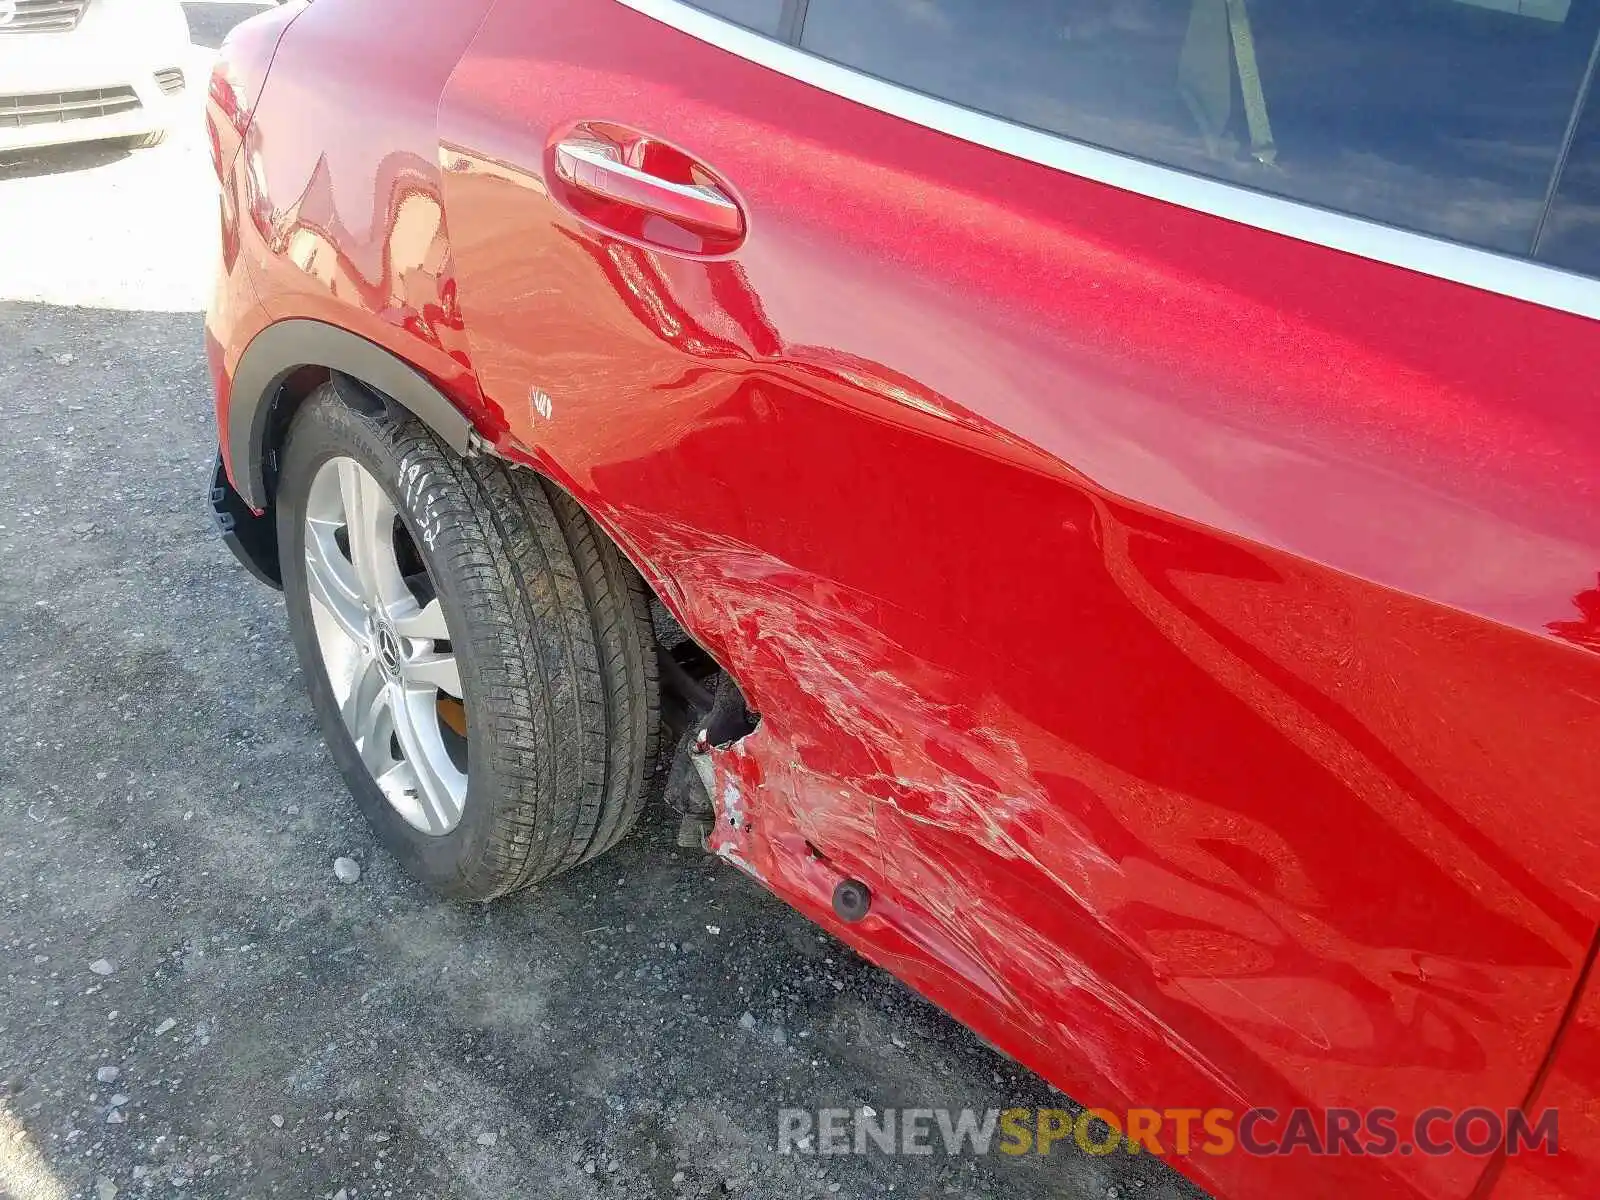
(1485, 270)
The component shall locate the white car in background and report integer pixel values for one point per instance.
(90, 70)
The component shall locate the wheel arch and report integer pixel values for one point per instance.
(279, 370)
(285, 362)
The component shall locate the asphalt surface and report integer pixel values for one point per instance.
(169, 914)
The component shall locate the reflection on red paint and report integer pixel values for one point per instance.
(1585, 630)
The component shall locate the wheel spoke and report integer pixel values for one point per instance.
(398, 783)
(332, 581)
(441, 788)
(435, 671)
(367, 712)
(369, 523)
(419, 621)
(361, 703)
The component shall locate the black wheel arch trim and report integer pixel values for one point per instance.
(287, 346)
(252, 536)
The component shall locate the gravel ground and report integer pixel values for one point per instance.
(193, 1002)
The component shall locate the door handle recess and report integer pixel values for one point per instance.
(597, 169)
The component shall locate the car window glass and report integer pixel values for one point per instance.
(761, 15)
(1443, 116)
(1571, 235)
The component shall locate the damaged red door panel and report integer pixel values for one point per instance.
(1170, 621)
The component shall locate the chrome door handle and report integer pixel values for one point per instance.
(595, 167)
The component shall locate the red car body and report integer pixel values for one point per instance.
(1186, 627)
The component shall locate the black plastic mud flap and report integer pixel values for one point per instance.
(252, 537)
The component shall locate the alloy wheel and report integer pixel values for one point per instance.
(386, 646)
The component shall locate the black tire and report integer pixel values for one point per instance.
(619, 605)
(550, 627)
(146, 141)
